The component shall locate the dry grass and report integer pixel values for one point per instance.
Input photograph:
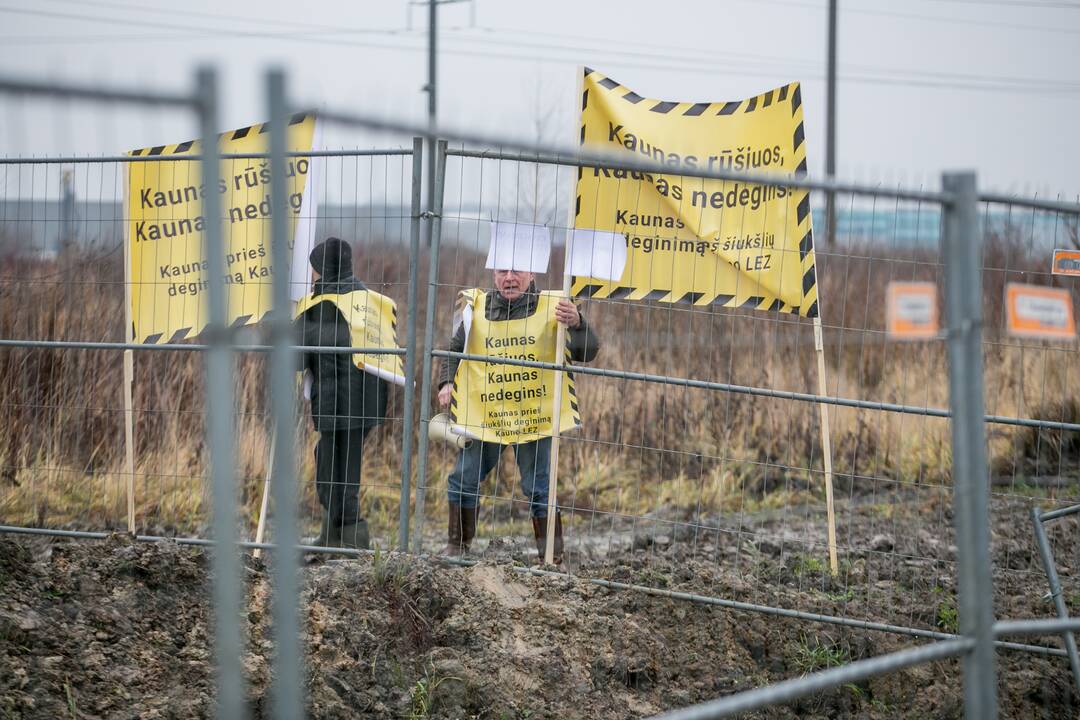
(644, 446)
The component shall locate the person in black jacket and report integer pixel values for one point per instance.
(514, 297)
(346, 402)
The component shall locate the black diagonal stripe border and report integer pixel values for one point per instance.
(752, 105)
(804, 208)
(632, 97)
(796, 99)
(689, 298)
(799, 136)
(809, 279)
(806, 244)
(696, 109)
(729, 108)
(608, 84)
(664, 106)
(752, 302)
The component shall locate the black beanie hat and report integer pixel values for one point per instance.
(332, 259)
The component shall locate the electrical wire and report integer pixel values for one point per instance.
(917, 79)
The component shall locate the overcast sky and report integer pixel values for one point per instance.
(924, 86)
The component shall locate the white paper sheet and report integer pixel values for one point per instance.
(519, 246)
(598, 254)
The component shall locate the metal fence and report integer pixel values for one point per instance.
(702, 425)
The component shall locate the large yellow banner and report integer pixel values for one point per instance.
(689, 240)
(165, 231)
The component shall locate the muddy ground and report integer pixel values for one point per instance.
(119, 629)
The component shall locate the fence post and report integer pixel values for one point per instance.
(410, 344)
(287, 702)
(429, 342)
(219, 423)
(961, 252)
(1047, 558)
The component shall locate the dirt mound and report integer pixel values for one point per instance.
(118, 629)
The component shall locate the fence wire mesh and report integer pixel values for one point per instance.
(662, 477)
(664, 482)
(62, 225)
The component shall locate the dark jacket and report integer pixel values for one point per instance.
(581, 341)
(342, 395)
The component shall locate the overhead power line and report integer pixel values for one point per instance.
(290, 24)
(761, 67)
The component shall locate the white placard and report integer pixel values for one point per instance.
(519, 246)
(598, 254)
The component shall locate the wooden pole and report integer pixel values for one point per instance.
(261, 529)
(129, 366)
(560, 351)
(556, 416)
(826, 444)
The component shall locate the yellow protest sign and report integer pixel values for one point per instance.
(510, 404)
(691, 240)
(168, 265)
(372, 320)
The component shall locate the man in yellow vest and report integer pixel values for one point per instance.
(502, 405)
(348, 395)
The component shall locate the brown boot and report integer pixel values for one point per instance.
(540, 533)
(461, 529)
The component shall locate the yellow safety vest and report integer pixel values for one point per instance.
(510, 404)
(372, 320)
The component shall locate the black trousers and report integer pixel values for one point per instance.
(337, 473)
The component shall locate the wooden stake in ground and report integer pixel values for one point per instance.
(261, 529)
(556, 417)
(826, 443)
(129, 370)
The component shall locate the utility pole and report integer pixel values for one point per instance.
(830, 128)
(433, 16)
(430, 89)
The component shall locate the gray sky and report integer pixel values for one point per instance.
(925, 85)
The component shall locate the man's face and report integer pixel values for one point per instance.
(512, 284)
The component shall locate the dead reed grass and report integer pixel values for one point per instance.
(644, 447)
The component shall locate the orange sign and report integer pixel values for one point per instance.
(911, 310)
(1039, 312)
(1066, 262)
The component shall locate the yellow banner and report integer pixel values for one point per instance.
(689, 240)
(510, 404)
(372, 320)
(165, 231)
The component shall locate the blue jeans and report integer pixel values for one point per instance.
(476, 461)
